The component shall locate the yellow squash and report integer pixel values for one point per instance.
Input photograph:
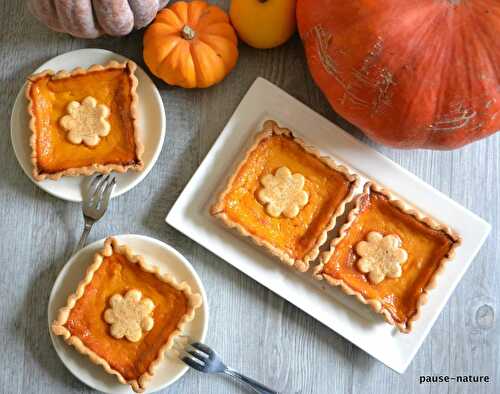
(263, 23)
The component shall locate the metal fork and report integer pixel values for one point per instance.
(204, 359)
(96, 195)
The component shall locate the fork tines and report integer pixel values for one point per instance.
(194, 354)
(97, 194)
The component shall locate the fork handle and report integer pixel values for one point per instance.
(83, 238)
(253, 384)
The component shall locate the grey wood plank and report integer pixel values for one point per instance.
(255, 330)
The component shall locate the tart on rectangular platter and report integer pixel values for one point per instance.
(388, 255)
(285, 196)
(124, 314)
(84, 121)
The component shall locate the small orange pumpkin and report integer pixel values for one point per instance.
(191, 45)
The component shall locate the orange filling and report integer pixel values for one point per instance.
(326, 188)
(117, 275)
(50, 98)
(426, 248)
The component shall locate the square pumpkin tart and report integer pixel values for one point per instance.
(388, 255)
(84, 121)
(285, 196)
(124, 314)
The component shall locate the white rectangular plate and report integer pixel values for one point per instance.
(343, 314)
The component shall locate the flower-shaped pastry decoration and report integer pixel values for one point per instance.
(129, 315)
(381, 256)
(86, 122)
(283, 193)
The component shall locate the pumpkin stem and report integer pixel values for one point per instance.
(188, 33)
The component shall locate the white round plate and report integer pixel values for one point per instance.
(156, 253)
(151, 125)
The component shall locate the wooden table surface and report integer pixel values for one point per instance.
(255, 330)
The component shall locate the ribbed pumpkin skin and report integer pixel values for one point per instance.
(410, 74)
(93, 18)
(198, 62)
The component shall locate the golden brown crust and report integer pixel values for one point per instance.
(100, 168)
(376, 304)
(110, 246)
(270, 128)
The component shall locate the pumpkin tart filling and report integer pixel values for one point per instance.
(84, 121)
(285, 196)
(124, 314)
(388, 254)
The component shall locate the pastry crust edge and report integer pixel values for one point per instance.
(270, 128)
(375, 303)
(111, 245)
(138, 165)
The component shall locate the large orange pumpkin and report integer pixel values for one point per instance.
(410, 74)
(191, 45)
